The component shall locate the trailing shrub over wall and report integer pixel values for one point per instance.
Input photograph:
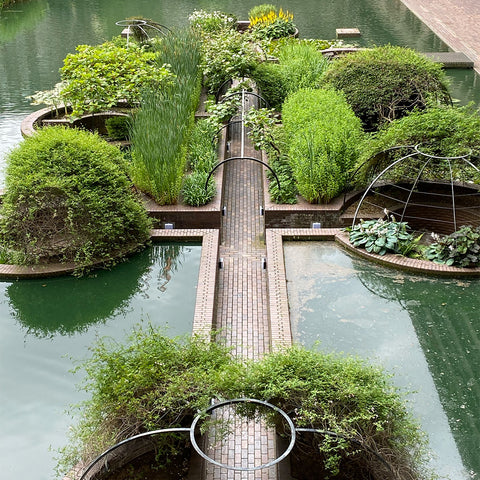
(154, 382)
(324, 137)
(68, 199)
(440, 131)
(385, 83)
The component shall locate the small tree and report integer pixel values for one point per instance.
(385, 83)
(67, 198)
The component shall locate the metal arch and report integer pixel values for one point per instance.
(242, 93)
(245, 400)
(218, 92)
(243, 158)
(222, 127)
(130, 439)
(375, 180)
(350, 439)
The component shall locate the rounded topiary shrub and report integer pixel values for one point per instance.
(68, 199)
(385, 83)
(324, 138)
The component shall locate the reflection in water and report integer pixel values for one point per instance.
(20, 17)
(68, 305)
(424, 330)
(47, 323)
(445, 315)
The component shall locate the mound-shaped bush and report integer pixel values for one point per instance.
(68, 199)
(384, 83)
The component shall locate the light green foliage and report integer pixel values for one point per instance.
(68, 198)
(155, 382)
(226, 55)
(385, 83)
(300, 65)
(381, 236)
(98, 77)
(263, 9)
(461, 248)
(440, 131)
(193, 190)
(202, 147)
(324, 137)
(162, 126)
(207, 23)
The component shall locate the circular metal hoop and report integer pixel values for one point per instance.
(243, 400)
(460, 157)
(130, 23)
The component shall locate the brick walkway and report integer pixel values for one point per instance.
(456, 22)
(242, 303)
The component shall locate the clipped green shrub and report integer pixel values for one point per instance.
(118, 127)
(193, 190)
(154, 382)
(300, 65)
(439, 131)
(68, 199)
(385, 83)
(98, 77)
(324, 140)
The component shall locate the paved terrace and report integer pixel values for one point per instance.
(456, 22)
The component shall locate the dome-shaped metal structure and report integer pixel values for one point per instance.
(432, 193)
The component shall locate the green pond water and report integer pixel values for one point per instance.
(47, 326)
(426, 331)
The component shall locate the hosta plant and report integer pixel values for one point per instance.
(381, 236)
(461, 248)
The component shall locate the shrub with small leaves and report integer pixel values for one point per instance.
(381, 236)
(461, 248)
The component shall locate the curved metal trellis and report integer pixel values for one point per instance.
(413, 188)
(251, 401)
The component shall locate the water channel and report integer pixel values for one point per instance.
(426, 331)
(42, 321)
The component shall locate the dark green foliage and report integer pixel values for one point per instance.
(324, 138)
(117, 127)
(155, 382)
(67, 198)
(381, 236)
(385, 83)
(460, 249)
(440, 131)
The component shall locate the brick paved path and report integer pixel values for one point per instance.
(242, 303)
(456, 22)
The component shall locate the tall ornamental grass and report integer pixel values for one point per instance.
(162, 126)
(324, 143)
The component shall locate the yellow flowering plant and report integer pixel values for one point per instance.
(272, 25)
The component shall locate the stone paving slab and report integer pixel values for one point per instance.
(455, 22)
